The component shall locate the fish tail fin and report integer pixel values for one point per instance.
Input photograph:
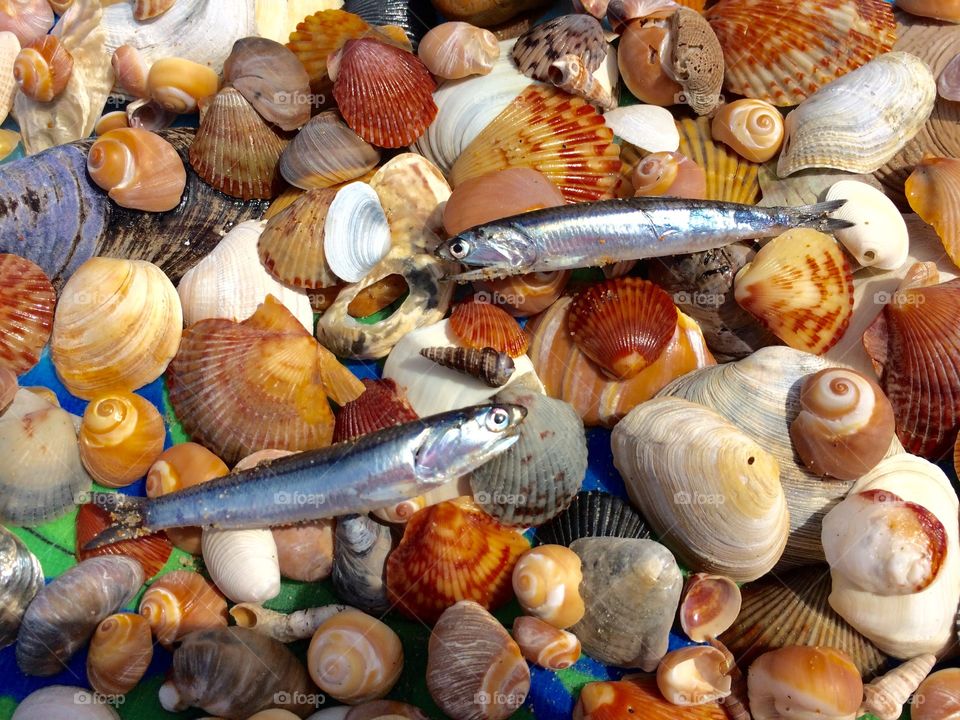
(126, 519)
(817, 216)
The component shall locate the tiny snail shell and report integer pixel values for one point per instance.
(121, 435)
(669, 173)
(752, 128)
(181, 85)
(845, 426)
(182, 602)
(455, 50)
(354, 657)
(546, 581)
(694, 675)
(43, 68)
(545, 645)
(138, 169)
(492, 367)
(120, 652)
(130, 70)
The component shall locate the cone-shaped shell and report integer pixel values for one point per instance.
(120, 651)
(272, 79)
(151, 551)
(730, 177)
(21, 578)
(325, 153)
(319, 35)
(235, 150)
(450, 552)
(291, 246)
(932, 191)
(182, 602)
(579, 35)
(784, 57)
(709, 494)
(26, 312)
(121, 436)
(117, 326)
(593, 513)
(613, 700)
(547, 130)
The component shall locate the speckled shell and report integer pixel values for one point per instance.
(696, 60)
(120, 651)
(27, 300)
(21, 578)
(579, 35)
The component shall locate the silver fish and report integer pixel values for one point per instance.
(375, 471)
(611, 231)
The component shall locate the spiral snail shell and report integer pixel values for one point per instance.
(354, 657)
(845, 425)
(121, 435)
(182, 602)
(138, 169)
(120, 651)
(43, 68)
(180, 85)
(546, 581)
(669, 173)
(543, 644)
(752, 128)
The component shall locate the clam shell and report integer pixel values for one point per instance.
(449, 552)
(325, 153)
(120, 651)
(181, 603)
(536, 478)
(151, 551)
(579, 35)
(21, 578)
(381, 405)
(414, 17)
(562, 138)
(784, 58)
(65, 613)
(729, 177)
(319, 35)
(28, 20)
(609, 700)
(291, 246)
(631, 589)
(26, 312)
(880, 238)
(272, 79)
(457, 50)
(62, 702)
(356, 235)
(230, 282)
(498, 195)
(359, 563)
(242, 563)
(861, 121)
(593, 513)
(648, 127)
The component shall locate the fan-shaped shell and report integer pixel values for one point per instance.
(63, 702)
(860, 121)
(932, 190)
(785, 57)
(291, 246)
(729, 176)
(242, 563)
(356, 234)
(450, 552)
(151, 551)
(456, 50)
(579, 35)
(478, 324)
(120, 651)
(547, 130)
(359, 561)
(117, 326)
(609, 700)
(325, 153)
(272, 79)
(752, 128)
(8, 387)
(235, 150)
(319, 35)
(120, 437)
(182, 602)
(21, 578)
(43, 68)
(27, 300)
(593, 513)
(879, 238)
(546, 581)
(29, 20)
(380, 405)
(262, 383)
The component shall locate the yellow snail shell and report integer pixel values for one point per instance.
(121, 436)
(181, 85)
(752, 128)
(120, 652)
(138, 169)
(546, 581)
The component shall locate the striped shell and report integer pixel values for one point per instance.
(243, 564)
(457, 50)
(319, 35)
(594, 513)
(326, 153)
(151, 551)
(182, 602)
(43, 68)
(291, 246)
(579, 35)
(27, 300)
(120, 651)
(730, 177)
(493, 367)
(380, 405)
(545, 645)
(480, 324)
(751, 128)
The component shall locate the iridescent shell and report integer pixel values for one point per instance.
(479, 325)
(120, 651)
(729, 176)
(381, 405)
(272, 79)
(120, 438)
(450, 552)
(613, 700)
(151, 551)
(182, 602)
(326, 153)
(27, 300)
(21, 578)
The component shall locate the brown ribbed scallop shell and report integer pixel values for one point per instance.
(26, 312)
(291, 244)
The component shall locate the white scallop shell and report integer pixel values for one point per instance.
(647, 127)
(276, 19)
(356, 234)
(242, 563)
(63, 702)
(879, 238)
(230, 282)
(9, 48)
(432, 389)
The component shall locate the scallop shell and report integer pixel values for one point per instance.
(42, 476)
(151, 551)
(234, 672)
(478, 324)
(120, 651)
(180, 603)
(916, 332)
(356, 233)
(524, 295)
(456, 50)
(729, 177)
(752, 128)
(359, 563)
(593, 513)
(630, 590)
(938, 697)
(647, 127)
(801, 288)
(9, 50)
(21, 578)
(568, 374)
(319, 35)
(272, 79)
(784, 58)
(880, 238)
(65, 613)
(388, 110)
(63, 702)
(886, 696)
(355, 658)
(610, 700)
(117, 326)
(230, 282)
(276, 19)
(532, 131)
(121, 436)
(234, 150)
(579, 35)
(27, 300)
(861, 121)
(930, 190)
(545, 645)
(381, 405)
(291, 246)
(326, 153)
(475, 670)
(43, 68)
(450, 552)
(242, 563)
(29, 20)
(546, 581)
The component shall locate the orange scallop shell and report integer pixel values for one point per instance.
(623, 325)
(450, 552)
(933, 191)
(915, 348)
(151, 551)
(784, 53)
(379, 406)
(181, 602)
(637, 697)
(569, 375)
(562, 136)
(481, 324)
(319, 35)
(263, 383)
(384, 93)
(27, 300)
(729, 177)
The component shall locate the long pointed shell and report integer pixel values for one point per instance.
(27, 300)
(325, 153)
(886, 696)
(138, 169)
(491, 366)
(356, 235)
(21, 578)
(120, 651)
(182, 602)
(242, 563)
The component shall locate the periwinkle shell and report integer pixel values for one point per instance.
(21, 578)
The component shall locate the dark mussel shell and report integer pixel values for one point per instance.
(594, 513)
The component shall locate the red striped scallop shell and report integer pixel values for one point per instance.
(480, 324)
(151, 551)
(27, 300)
(379, 406)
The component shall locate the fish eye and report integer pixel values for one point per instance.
(498, 420)
(459, 249)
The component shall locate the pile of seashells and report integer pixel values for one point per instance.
(396, 267)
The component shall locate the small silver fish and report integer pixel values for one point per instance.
(357, 476)
(610, 231)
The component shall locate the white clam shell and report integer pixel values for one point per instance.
(432, 389)
(276, 19)
(63, 702)
(356, 233)
(230, 282)
(465, 107)
(879, 238)
(904, 626)
(861, 120)
(242, 563)
(647, 127)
